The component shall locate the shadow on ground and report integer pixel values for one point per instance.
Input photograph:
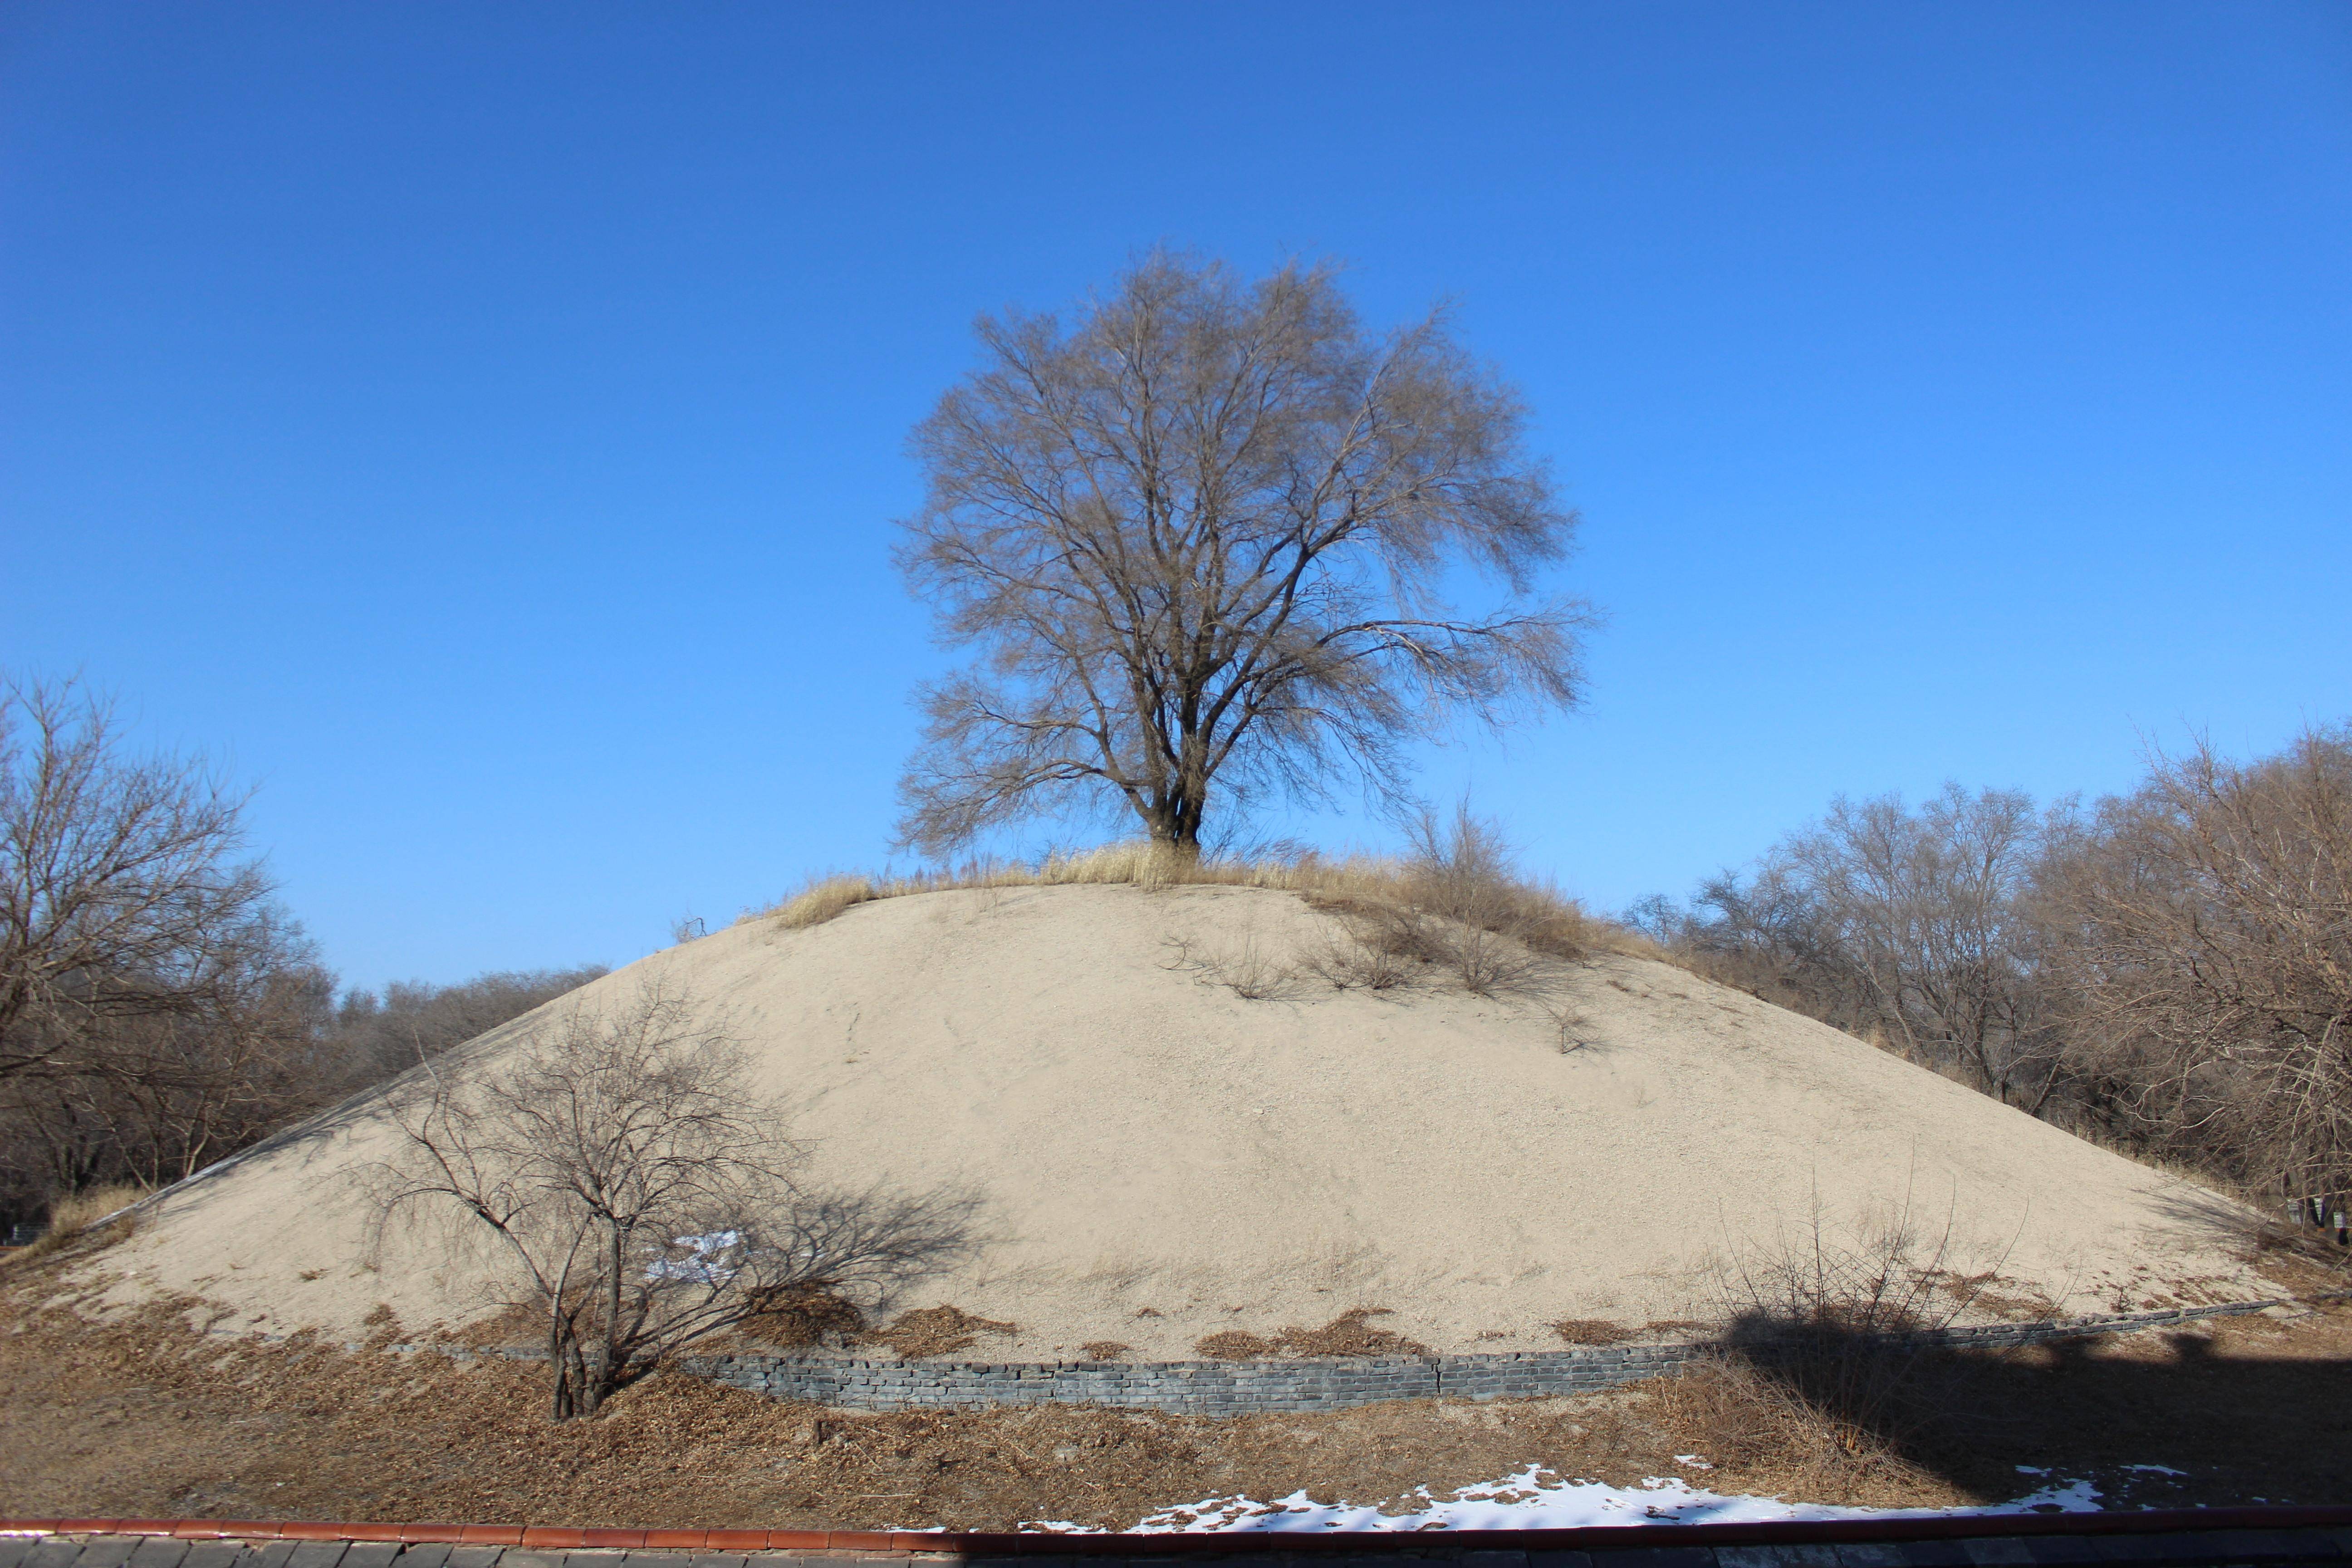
(2239, 1413)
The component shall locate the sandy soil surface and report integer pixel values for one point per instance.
(1158, 1158)
(144, 1418)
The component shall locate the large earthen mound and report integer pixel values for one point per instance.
(1160, 1159)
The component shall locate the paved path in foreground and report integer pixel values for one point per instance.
(2203, 1538)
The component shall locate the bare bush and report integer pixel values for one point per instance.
(1247, 967)
(1455, 905)
(1828, 1361)
(1473, 909)
(157, 1009)
(1374, 950)
(1573, 1025)
(1199, 539)
(2166, 973)
(644, 1195)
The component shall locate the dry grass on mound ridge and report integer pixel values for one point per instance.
(1455, 903)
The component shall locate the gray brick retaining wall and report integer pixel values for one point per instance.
(1238, 1388)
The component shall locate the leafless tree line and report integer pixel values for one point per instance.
(159, 1008)
(2170, 968)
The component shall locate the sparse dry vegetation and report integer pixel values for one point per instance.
(72, 1218)
(1591, 1332)
(1452, 911)
(1826, 1365)
(825, 897)
(936, 1331)
(1248, 966)
(1350, 1333)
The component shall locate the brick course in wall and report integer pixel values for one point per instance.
(1239, 1388)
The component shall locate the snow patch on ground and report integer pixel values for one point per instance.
(1528, 1501)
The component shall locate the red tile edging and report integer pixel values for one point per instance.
(1207, 1544)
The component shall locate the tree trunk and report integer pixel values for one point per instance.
(560, 1359)
(1176, 828)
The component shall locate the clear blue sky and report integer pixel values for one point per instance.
(478, 427)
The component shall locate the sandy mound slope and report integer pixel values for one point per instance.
(1161, 1158)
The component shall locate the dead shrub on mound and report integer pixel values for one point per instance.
(1574, 1028)
(1591, 1331)
(1349, 1334)
(936, 1331)
(1365, 951)
(1246, 968)
(1461, 874)
(1456, 908)
(1104, 1350)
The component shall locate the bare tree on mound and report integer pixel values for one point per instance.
(1199, 539)
(647, 1195)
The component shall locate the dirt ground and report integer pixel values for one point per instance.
(144, 1416)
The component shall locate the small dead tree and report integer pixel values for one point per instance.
(645, 1194)
(1199, 538)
